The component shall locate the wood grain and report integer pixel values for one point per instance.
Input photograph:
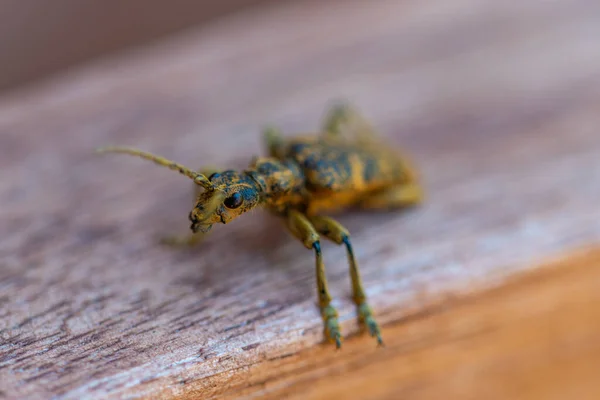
(497, 103)
(534, 337)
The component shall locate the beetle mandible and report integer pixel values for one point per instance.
(303, 178)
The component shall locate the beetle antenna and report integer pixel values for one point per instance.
(197, 177)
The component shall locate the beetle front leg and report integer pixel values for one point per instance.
(301, 228)
(190, 239)
(334, 231)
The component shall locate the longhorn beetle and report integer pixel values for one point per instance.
(304, 177)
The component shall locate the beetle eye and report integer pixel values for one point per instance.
(233, 201)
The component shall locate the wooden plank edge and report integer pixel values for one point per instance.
(439, 343)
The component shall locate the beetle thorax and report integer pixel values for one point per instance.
(281, 182)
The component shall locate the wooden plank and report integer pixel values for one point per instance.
(533, 338)
(497, 103)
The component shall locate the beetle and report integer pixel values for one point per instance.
(303, 179)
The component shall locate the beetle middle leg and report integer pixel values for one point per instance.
(334, 231)
(344, 122)
(301, 227)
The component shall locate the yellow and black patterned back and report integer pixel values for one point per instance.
(339, 166)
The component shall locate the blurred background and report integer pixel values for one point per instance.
(42, 38)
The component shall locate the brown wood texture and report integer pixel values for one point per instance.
(533, 338)
(497, 103)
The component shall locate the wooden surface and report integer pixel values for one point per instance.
(40, 41)
(534, 337)
(497, 103)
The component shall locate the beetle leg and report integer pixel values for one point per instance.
(334, 231)
(344, 122)
(400, 196)
(274, 142)
(191, 239)
(334, 121)
(188, 240)
(302, 229)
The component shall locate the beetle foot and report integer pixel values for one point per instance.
(365, 316)
(332, 326)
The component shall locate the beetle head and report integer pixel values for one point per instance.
(226, 195)
(229, 195)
